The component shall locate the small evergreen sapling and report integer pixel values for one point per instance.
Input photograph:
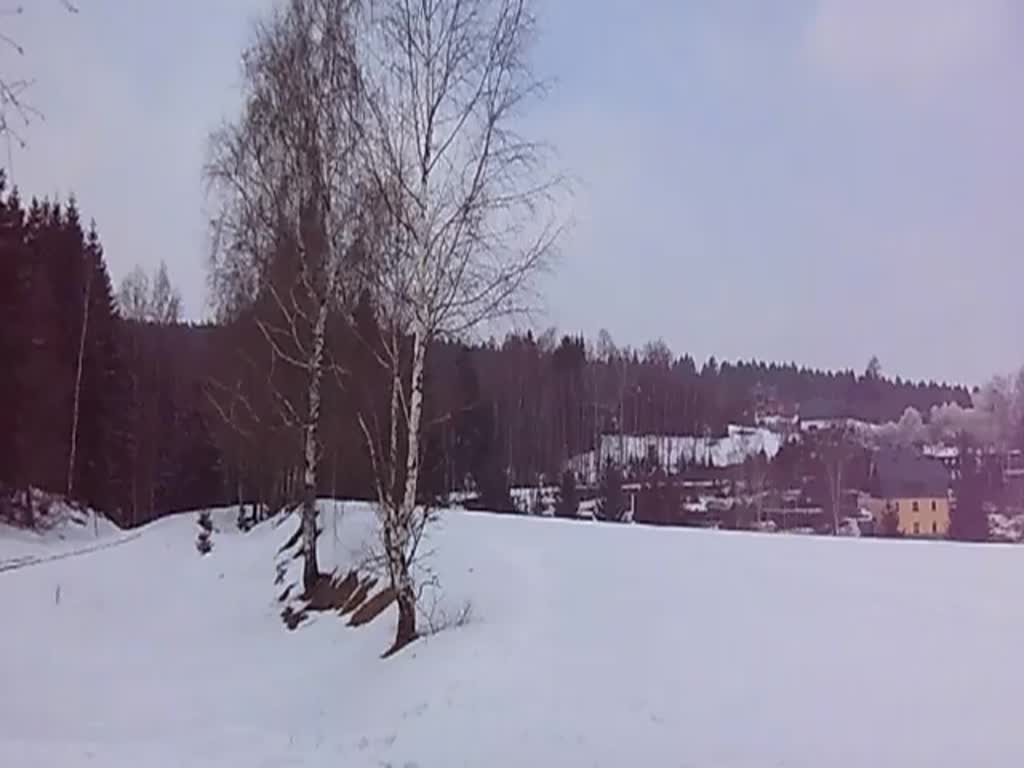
(204, 541)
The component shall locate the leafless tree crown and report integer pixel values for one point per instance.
(156, 302)
(467, 212)
(16, 113)
(282, 176)
(290, 200)
(444, 83)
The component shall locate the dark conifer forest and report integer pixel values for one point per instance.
(123, 407)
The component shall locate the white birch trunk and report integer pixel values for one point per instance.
(835, 477)
(311, 570)
(78, 388)
(396, 414)
(412, 465)
(238, 496)
(398, 539)
(839, 497)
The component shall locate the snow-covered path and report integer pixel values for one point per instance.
(66, 532)
(24, 561)
(590, 645)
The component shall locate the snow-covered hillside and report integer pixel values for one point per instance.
(590, 645)
(61, 530)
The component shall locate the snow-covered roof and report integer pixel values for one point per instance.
(736, 446)
(739, 444)
(941, 451)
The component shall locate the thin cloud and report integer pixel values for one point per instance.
(753, 179)
(910, 46)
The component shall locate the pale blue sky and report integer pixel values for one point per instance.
(815, 180)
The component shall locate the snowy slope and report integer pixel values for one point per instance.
(62, 529)
(591, 645)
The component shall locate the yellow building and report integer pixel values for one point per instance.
(925, 516)
(916, 490)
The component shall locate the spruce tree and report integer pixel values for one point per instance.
(101, 467)
(44, 373)
(198, 468)
(469, 420)
(15, 337)
(204, 539)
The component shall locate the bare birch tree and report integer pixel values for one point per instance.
(755, 476)
(834, 448)
(77, 400)
(471, 210)
(165, 301)
(149, 302)
(15, 112)
(284, 179)
(145, 302)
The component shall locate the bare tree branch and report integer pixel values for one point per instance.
(13, 106)
(289, 202)
(471, 214)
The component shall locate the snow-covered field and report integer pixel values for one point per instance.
(590, 645)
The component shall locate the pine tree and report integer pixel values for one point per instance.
(195, 470)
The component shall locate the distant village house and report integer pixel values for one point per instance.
(915, 489)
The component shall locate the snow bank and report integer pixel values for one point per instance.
(591, 645)
(61, 528)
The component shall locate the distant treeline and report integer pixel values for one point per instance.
(133, 412)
